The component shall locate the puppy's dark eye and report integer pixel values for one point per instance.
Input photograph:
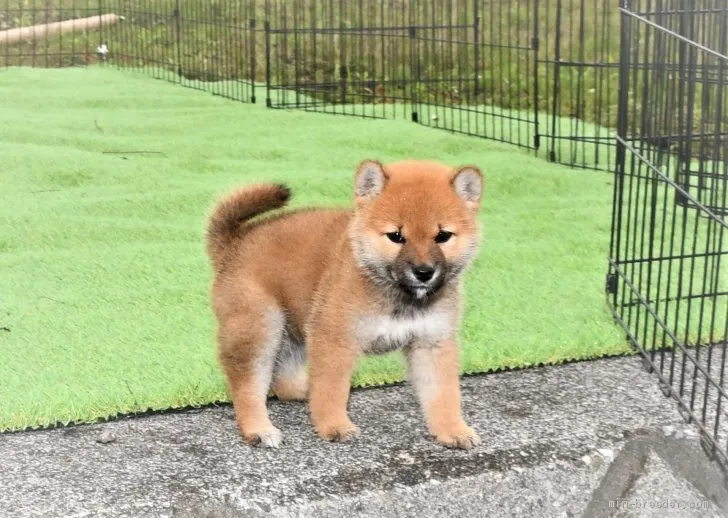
(395, 237)
(443, 236)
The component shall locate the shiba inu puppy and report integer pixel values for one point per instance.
(300, 295)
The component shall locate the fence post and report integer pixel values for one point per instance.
(557, 82)
(688, 70)
(623, 95)
(621, 152)
(253, 62)
(178, 35)
(414, 73)
(534, 46)
(476, 48)
(343, 70)
(101, 27)
(268, 100)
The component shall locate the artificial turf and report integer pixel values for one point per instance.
(106, 179)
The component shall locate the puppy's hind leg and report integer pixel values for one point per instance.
(249, 343)
(290, 379)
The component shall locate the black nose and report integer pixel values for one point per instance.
(423, 272)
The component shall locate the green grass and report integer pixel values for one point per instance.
(104, 285)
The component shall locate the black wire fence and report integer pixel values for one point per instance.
(668, 279)
(635, 87)
(541, 74)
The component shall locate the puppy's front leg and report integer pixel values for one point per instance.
(433, 370)
(331, 365)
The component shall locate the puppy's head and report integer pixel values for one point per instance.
(415, 225)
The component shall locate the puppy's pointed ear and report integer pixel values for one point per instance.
(467, 182)
(370, 180)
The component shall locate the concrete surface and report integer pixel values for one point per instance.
(585, 439)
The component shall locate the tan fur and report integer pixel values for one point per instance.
(323, 286)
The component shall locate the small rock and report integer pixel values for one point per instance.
(106, 437)
(668, 430)
(406, 458)
(524, 453)
(679, 434)
(689, 432)
(518, 469)
(607, 453)
(586, 459)
(427, 473)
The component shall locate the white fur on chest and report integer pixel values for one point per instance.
(378, 334)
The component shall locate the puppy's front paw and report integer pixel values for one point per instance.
(266, 438)
(461, 436)
(338, 432)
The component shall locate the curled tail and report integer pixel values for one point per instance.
(228, 220)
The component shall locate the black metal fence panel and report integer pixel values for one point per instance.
(476, 75)
(42, 47)
(579, 58)
(541, 74)
(668, 280)
(353, 58)
(209, 46)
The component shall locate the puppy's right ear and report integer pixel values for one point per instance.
(370, 180)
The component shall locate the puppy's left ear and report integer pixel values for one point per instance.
(467, 182)
(370, 180)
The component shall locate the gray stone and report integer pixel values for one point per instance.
(668, 430)
(106, 437)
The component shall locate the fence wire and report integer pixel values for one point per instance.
(541, 74)
(668, 281)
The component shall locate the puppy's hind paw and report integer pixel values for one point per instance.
(268, 438)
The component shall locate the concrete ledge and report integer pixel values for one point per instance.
(549, 437)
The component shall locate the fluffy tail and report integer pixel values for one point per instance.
(228, 220)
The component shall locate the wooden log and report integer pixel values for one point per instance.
(35, 32)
